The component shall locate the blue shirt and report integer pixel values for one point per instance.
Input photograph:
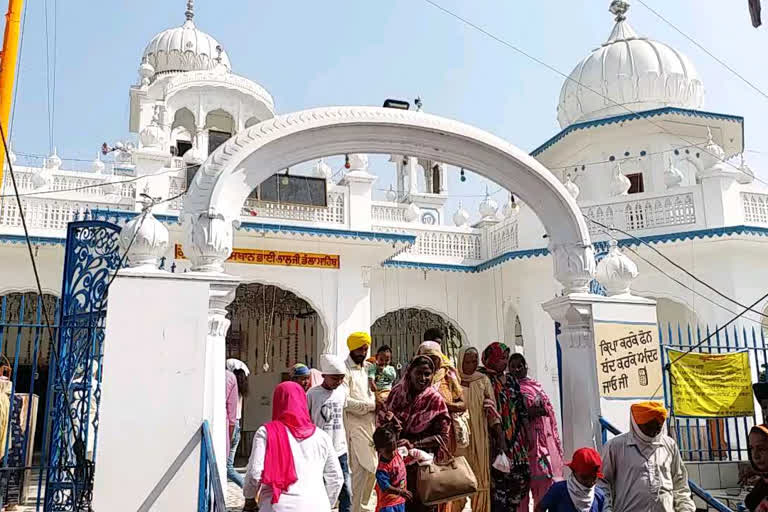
(557, 499)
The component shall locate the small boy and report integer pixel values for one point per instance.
(391, 491)
(326, 407)
(579, 492)
(382, 375)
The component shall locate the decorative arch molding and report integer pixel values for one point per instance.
(431, 309)
(407, 337)
(322, 315)
(26, 289)
(213, 203)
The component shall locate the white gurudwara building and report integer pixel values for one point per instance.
(319, 258)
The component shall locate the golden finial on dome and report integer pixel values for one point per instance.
(619, 8)
(190, 12)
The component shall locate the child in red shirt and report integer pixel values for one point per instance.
(391, 490)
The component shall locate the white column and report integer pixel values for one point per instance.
(221, 293)
(580, 400)
(353, 302)
(579, 315)
(360, 183)
(164, 375)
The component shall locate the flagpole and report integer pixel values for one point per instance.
(8, 59)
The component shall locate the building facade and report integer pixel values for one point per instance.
(319, 258)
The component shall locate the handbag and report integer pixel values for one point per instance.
(445, 481)
(461, 429)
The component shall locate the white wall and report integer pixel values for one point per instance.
(152, 405)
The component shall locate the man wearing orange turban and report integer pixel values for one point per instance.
(643, 469)
(360, 422)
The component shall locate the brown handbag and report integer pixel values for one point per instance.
(447, 481)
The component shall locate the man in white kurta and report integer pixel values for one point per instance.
(643, 469)
(360, 422)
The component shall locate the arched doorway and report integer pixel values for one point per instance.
(25, 358)
(403, 331)
(272, 329)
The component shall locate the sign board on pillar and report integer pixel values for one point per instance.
(628, 360)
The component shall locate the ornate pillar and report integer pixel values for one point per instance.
(587, 387)
(581, 399)
(221, 294)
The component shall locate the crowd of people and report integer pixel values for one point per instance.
(358, 434)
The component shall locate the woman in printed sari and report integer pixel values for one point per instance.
(545, 453)
(507, 489)
(418, 412)
(481, 403)
(446, 381)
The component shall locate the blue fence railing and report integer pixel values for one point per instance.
(712, 439)
(210, 496)
(712, 502)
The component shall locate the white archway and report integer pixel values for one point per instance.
(214, 200)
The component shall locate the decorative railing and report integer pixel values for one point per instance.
(388, 213)
(334, 213)
(48, 214)
(448, 244)
(502, 238)
(649, 213)
(210, 494)
(69, 181)
(755, 207)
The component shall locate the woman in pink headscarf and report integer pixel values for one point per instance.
(293, 466)
(545, 453)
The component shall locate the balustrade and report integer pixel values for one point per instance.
(502, 238)
(649, 213)
(41, 214)
(440, 243)
(388, 213)
(755, 207)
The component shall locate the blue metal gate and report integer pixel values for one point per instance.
(718, 439)
(74, 383)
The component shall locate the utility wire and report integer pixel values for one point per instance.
(96, 185)
(571, 79)
(675, 264)
(673, 278)
(702, 48)
(79, 445)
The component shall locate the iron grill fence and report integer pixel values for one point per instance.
(712, 439)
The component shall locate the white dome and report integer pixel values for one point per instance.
(184, 48)
(633, 71)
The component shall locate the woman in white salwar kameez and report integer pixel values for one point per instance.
(293, 466)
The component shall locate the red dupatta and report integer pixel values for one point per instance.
(289, 412)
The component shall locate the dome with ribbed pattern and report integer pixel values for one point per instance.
(184, 48)
(628, 73)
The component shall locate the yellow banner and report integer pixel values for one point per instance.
(711, 385)
(628, 362)
(281, 258)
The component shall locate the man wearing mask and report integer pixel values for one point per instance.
(360, 422)
(643, 469)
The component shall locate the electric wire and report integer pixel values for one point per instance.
(702, 48)
(571, 79)
(674, 263)
(680, 283)
(79, 445)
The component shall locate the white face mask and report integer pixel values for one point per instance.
(581, 495)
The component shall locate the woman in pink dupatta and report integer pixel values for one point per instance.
(545, 453)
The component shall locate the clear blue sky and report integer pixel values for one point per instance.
(336, 52)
